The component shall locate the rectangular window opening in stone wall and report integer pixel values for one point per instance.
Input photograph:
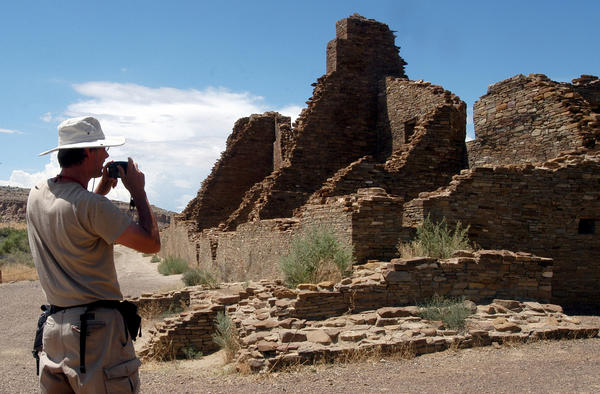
(409, 129)
(587, 226)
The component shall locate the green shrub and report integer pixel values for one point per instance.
(226, 336)
(155, 259)
(14, 247)
(199, 276)
(436, 240)
(13, 241)
(173, 265)
(452, 311)
(191, 353)
(315, 256)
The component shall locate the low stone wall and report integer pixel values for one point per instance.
(277, 326)
(189, 331)
(478, 276)
(157, 303)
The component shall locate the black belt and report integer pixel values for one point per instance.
(114, 304)
(83, 318)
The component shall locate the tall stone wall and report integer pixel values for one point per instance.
(339, 125)
(533, 119)
(363, 46)
(422, 159)
(251, 152)
(552, 210)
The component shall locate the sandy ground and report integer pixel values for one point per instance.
(20, 307)
(540, 367)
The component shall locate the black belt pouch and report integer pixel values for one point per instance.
(133, 321)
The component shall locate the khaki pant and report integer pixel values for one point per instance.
(110, 361)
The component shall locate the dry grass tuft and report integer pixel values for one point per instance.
(18, 272)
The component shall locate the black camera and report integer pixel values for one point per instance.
(113, 171)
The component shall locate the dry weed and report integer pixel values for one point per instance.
(18, 272)
(15, 225)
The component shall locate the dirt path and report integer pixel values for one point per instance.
(554, 366)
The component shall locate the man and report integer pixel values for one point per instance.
(71, 234)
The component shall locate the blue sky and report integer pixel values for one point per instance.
(173, 77)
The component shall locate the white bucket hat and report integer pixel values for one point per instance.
(84, 132)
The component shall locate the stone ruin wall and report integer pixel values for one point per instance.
(551, 210)
(339, 125)
(405, 138)
(273, 320)
(252, 151)
(533, 119)
(479, 276)
(370, 220)
(421, 142)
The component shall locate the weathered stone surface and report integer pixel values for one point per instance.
(502, 325)
(292, 336)
(352, 336)
(318, 336)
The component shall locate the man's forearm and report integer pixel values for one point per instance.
(146, 217)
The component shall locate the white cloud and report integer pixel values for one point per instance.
(20, 178)
(174, 135)
(9, 131)
(47, 117)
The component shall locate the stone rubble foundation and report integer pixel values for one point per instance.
(370, 313)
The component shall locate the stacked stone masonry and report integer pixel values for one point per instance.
(277, 326)
(551, 210)
(370, 131)
(252, 141)
(338, 127)
(534, 119)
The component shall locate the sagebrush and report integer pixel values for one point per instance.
(172, 266)
(437, 240)
(226, 336)
(315, 256)
(452, 311)
(14, 247)
(198, 276)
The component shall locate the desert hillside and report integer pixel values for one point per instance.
(13, 203)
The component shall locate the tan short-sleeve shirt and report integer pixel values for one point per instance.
(71, 235)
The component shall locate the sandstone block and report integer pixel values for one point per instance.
(318, 336)
(352, 336)
(307, 286)
(509, 304)
(553, 308)
(503, 325)
(292, 336)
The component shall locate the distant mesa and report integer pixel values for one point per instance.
(13, 206)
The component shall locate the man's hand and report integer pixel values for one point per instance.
(106, 183)
(143, 237)
(133, 180)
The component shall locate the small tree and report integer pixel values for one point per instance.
(315, 256)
